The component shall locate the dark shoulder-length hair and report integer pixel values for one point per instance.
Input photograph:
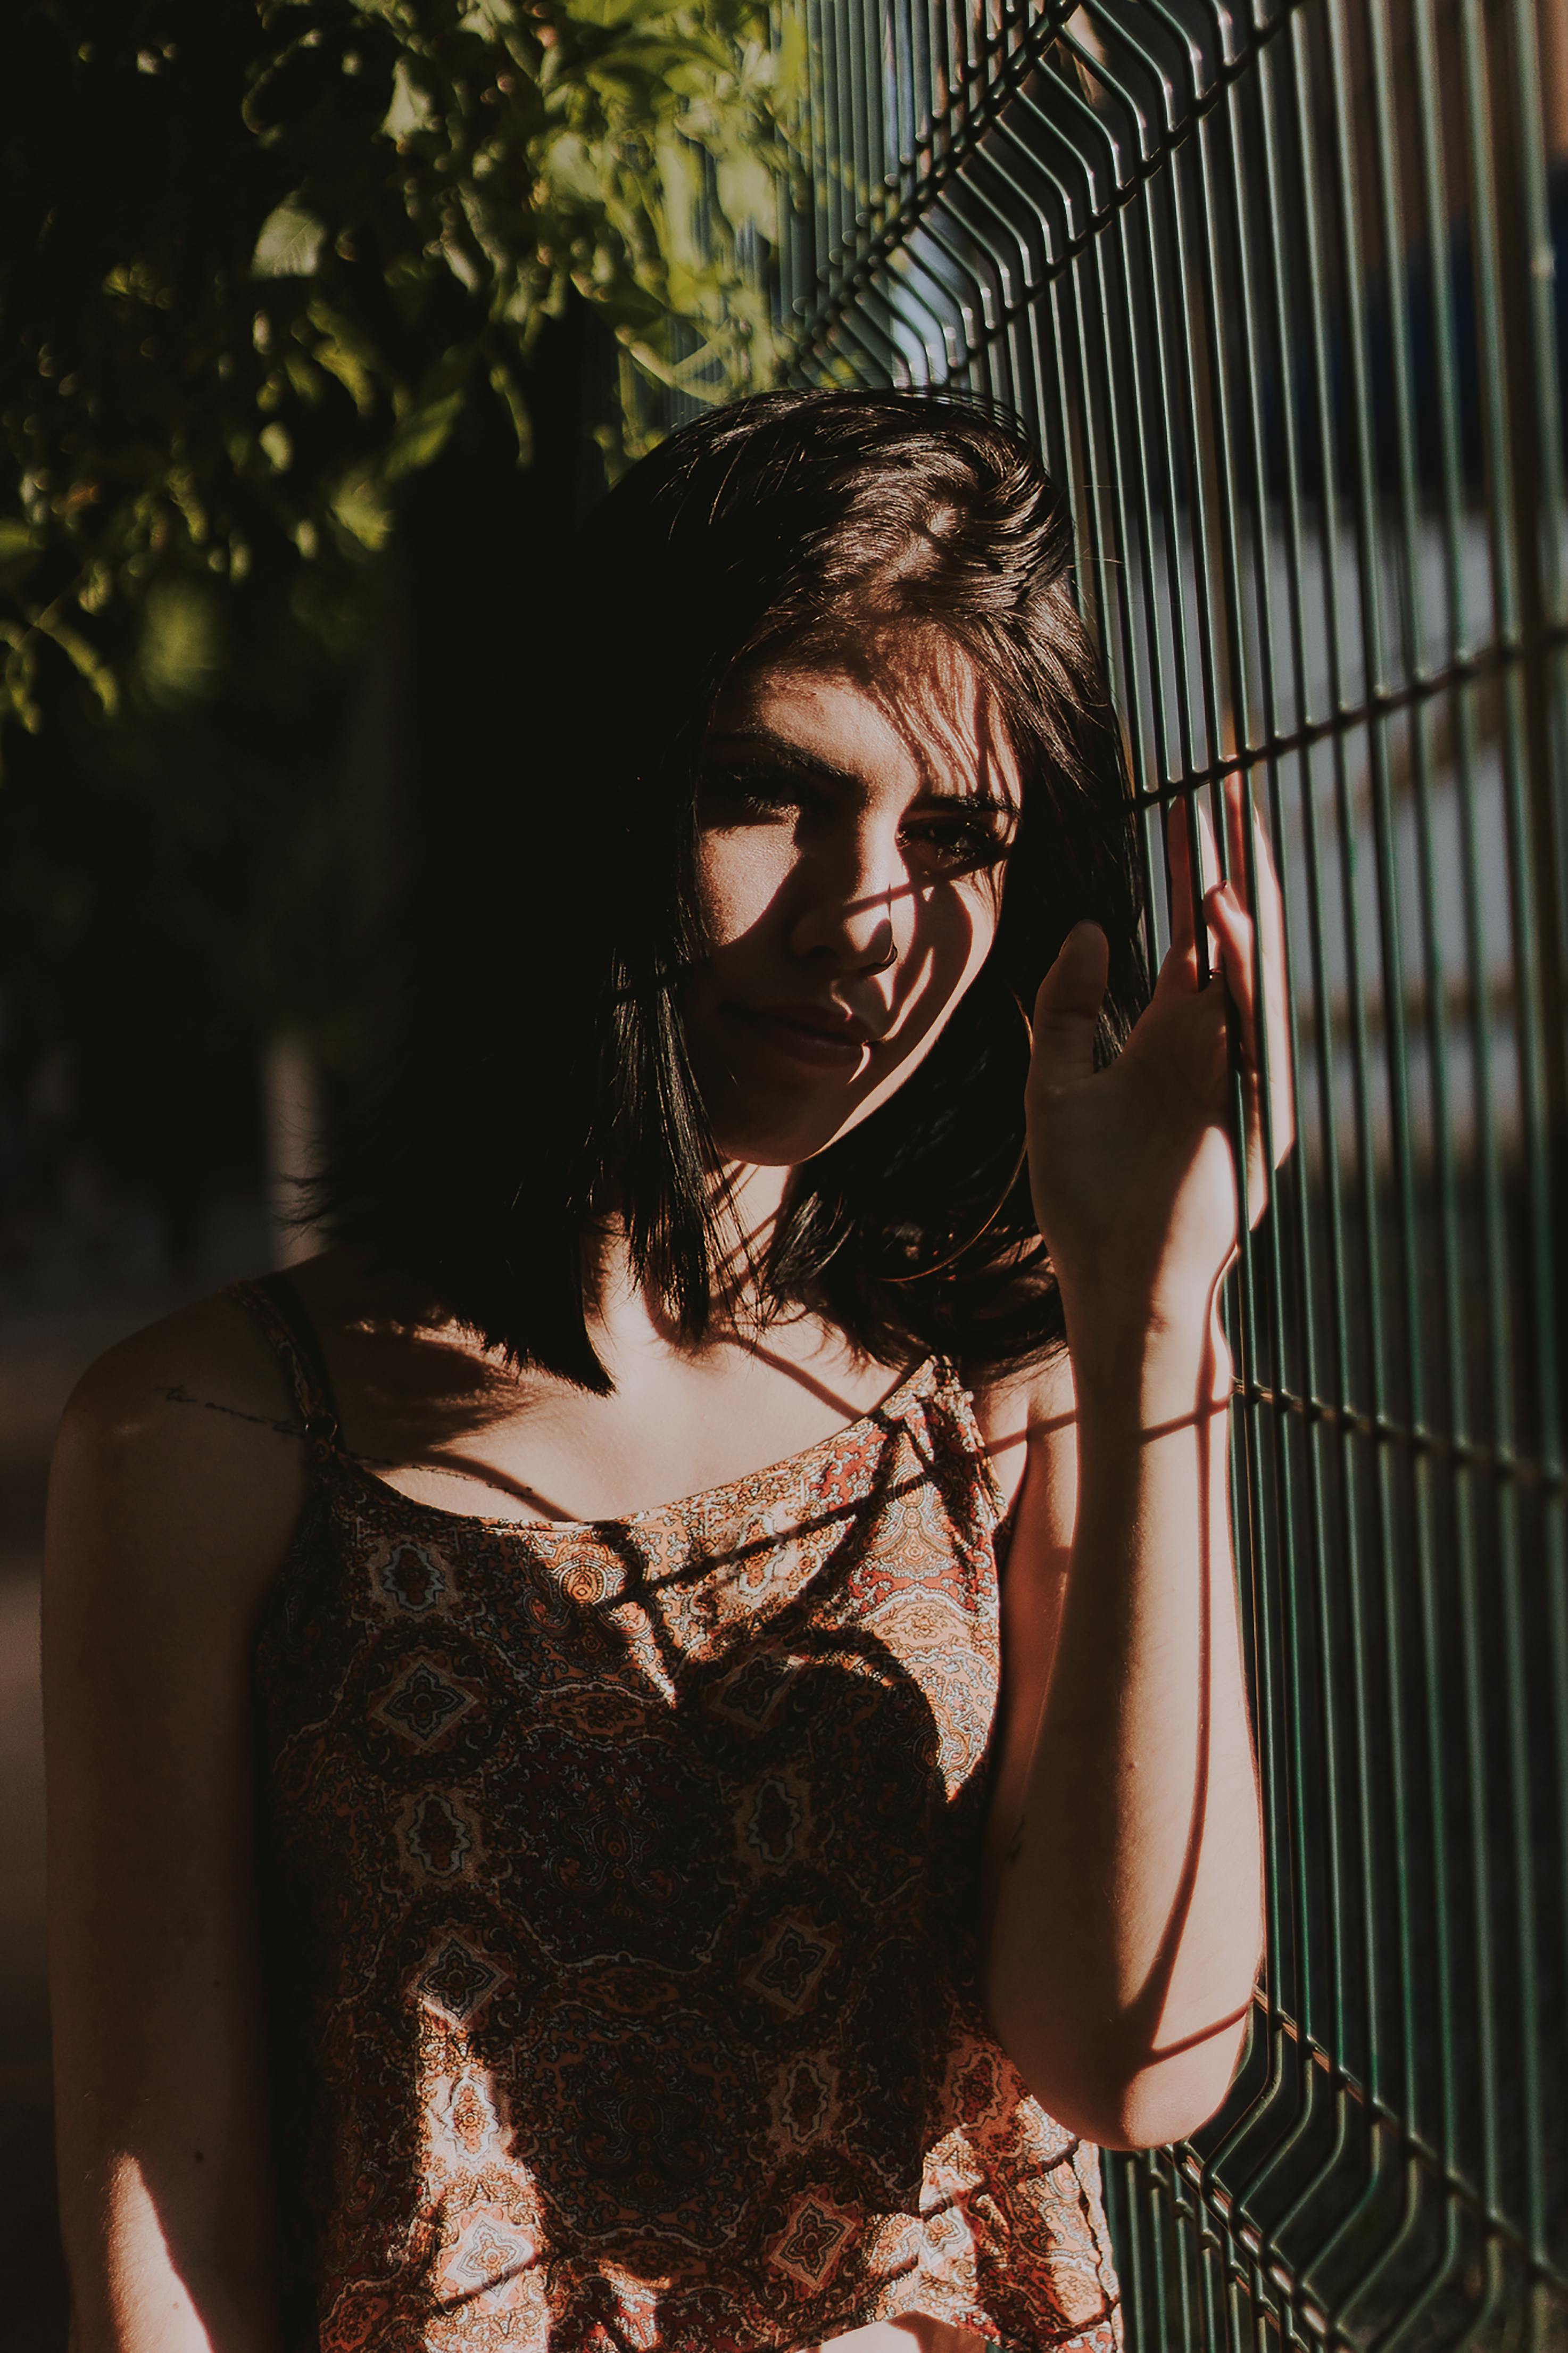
(541, 1078)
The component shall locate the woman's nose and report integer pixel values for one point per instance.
(849, 908)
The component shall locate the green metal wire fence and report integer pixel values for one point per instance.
(1276, 285)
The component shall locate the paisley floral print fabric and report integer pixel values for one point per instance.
(621, 1895)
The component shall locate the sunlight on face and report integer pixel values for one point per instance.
(854, 815)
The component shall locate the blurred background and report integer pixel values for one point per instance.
(325, 320)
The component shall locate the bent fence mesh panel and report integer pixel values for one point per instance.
(1277, 288)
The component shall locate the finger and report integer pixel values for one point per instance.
(1268, 916)
(1253, 873)
(1209, 866)
(1210, 872)
(1179, 874)
(1180, 969)
(1231, 929)
(1268, 904)
(1234, 931)
(1238, 864)
(1068, 1007)
(1190, 850)
(1237, 938)
(1250, 865)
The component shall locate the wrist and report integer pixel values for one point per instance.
(1164, 1362)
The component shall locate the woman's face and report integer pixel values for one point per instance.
(854, 815)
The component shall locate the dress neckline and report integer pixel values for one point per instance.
(921, 1379)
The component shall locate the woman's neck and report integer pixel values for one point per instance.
(629, 1325)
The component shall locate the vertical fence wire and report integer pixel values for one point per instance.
(1278, 287)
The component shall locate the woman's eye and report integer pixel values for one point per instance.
(942, 842)
(732, 794)
(959, 844)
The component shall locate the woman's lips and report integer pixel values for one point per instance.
(839, 1047)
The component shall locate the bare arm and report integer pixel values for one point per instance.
(167, 1519)
(1126, 1853)
(1127, 1920)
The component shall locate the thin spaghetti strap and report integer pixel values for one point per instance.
(274, 1306)
(969, 1439)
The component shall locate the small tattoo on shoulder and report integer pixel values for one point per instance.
(176, 1393)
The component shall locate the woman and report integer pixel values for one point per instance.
(540, 1857)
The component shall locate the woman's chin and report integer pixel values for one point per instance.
(774, 1127)
(778, 1132)
(771, 1148)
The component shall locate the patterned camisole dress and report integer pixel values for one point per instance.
(620, 1885)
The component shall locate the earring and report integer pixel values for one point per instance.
(940, 1265)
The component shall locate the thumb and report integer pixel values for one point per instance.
(1067, 1009)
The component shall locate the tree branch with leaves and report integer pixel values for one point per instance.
(262, 256)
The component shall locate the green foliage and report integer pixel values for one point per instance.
(276, 246)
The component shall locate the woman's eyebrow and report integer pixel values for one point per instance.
(787, 754)
(790, 755)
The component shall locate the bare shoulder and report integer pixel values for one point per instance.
(176, 1449)
(1014, 1404)
(210, 1353)
(1028, 1422)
